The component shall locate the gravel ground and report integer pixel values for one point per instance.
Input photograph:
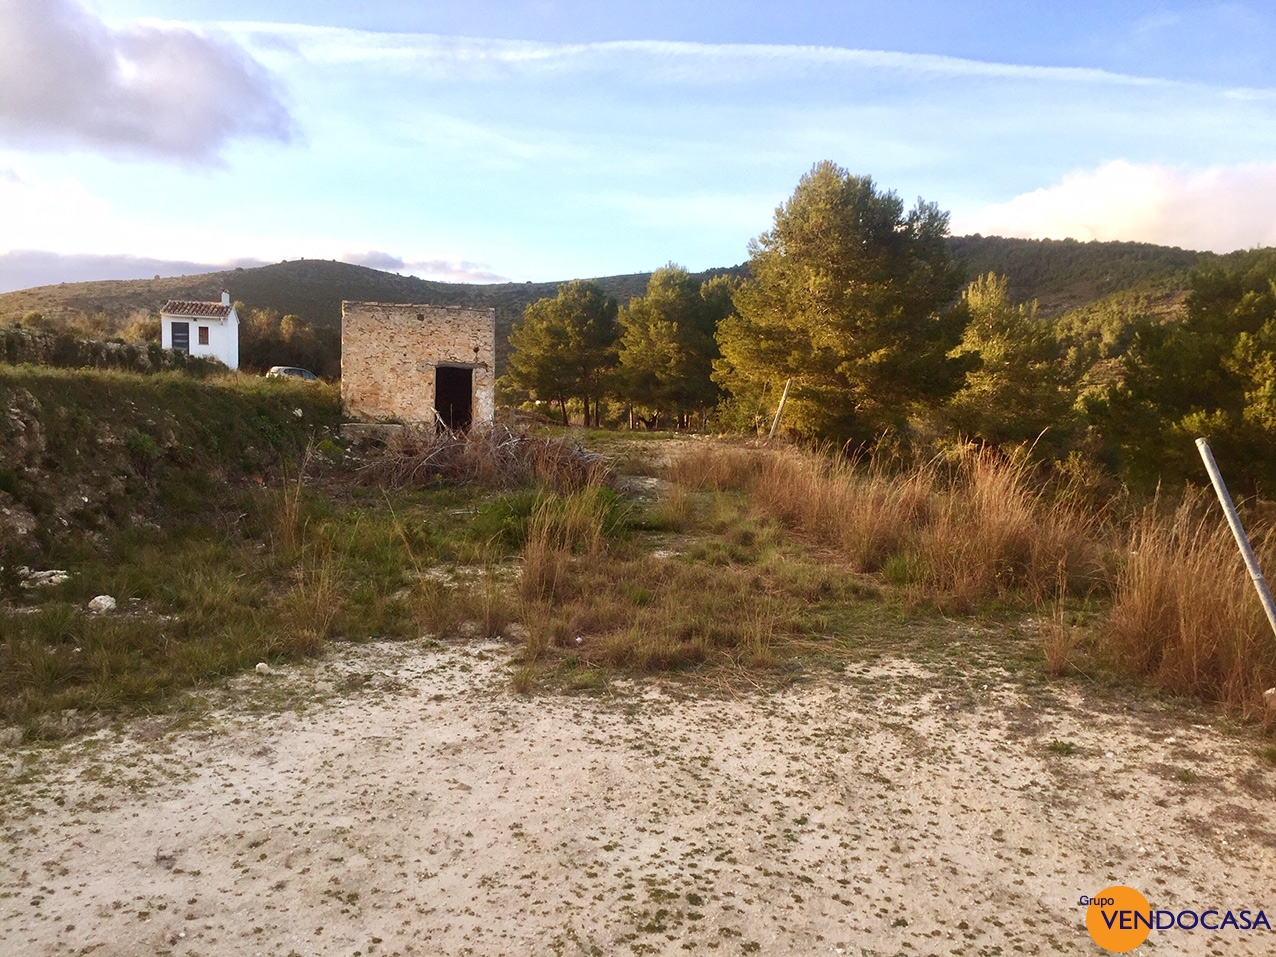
(398, 798)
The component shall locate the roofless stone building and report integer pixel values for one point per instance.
(418, 364)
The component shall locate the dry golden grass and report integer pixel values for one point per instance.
(1062, 645)
(960, 532)
(868, 514)
(978, 527)
(718, 467)
(990, 533)
(1185, 613)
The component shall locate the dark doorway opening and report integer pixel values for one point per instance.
(181, 337)
(454, 396)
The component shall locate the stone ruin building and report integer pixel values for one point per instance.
(418, 364)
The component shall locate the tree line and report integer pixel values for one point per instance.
(857, 302)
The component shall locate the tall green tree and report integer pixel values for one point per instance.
(266, 339)
(1020, 388)
(667, 347)
(852, 298)
(1213, 373)
(565, 348)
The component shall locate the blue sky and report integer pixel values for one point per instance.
(539, 140)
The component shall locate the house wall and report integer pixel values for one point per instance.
(389, 352)
(223, 336)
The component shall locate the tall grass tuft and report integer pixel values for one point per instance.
(560, 527)
(311, 607)
(993, 534)
(718, 467)
(869, 513)
(1185, 614)
(960, 531)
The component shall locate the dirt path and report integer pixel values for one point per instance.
(398, 799)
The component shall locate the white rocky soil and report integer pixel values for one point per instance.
(399, 798)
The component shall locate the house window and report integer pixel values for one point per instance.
(203, 335)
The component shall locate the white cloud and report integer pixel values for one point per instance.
(442, 270)
(1219, 209)
(66, 78)
(665, 60)
(56, 229)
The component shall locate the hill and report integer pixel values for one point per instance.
(1063, 274)
(310, 288)
(1060, 274)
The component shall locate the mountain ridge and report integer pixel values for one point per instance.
(1060, 275)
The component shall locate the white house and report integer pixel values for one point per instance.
(201, 329)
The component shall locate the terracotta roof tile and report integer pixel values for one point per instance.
(186, 307)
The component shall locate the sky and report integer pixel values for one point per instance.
(496, 140)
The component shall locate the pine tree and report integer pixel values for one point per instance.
(1020, 388)
(565, 348)
(851, 298)
(667, 348)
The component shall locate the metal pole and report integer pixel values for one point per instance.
(1238, 532)
(775, 423)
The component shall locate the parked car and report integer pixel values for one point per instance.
(291, 372)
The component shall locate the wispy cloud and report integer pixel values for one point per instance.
(443, 270)
(1221, 208)
(475, 56)
(68, 79)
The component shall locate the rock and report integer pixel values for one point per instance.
(1270, 697)
(102, 604)
(263, 668)
(54, 576)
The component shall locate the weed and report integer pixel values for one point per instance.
(961, 531)
(504, 521)
(524, 680)
(1184, 613)
(1063, 748)
(674, 512)
(1061, 644)
(561, 526)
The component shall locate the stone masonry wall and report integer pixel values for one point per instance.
(389, 353)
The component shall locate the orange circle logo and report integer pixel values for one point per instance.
(1119, 918)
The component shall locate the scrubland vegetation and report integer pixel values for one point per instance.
(242, 532)
(945, 452)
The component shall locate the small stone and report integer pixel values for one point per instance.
(1270, 697)
(102, 604)
(263, 668)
